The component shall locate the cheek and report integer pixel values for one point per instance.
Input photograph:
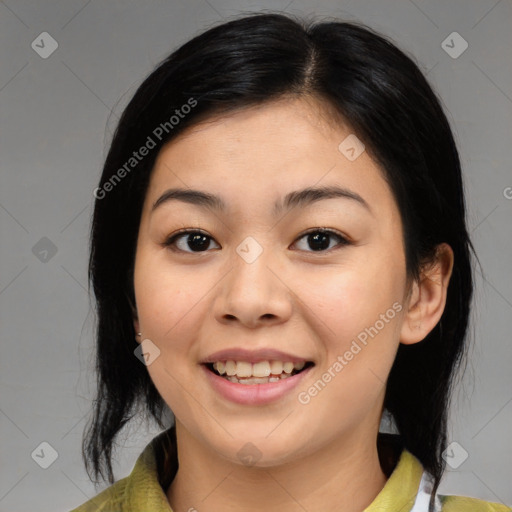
(358, 310)
(351, 299)
(170, 309)
(165, 294)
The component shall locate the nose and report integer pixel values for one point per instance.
(254, 293)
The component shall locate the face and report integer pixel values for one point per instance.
(316, 285)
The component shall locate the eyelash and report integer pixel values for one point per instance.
(343, 241)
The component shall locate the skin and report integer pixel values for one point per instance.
(318, 456)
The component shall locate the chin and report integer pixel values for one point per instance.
(260, 451)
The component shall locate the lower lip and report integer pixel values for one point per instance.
(254, 394)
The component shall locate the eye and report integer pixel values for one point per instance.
(318, 239)
(198, 241)
(194, 240)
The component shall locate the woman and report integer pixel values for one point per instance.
(280, 256)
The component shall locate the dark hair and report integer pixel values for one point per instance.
(388, 104)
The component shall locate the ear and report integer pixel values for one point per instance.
(427, 298)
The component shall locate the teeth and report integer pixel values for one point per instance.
(257, 380)
(276, 367)
(268, 371)
(220, 367)
(243, 369)
(230, 367)
(261, 369)
(288, 367)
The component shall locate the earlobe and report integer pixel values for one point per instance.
(136, 326)
(138, 334)
(428, 297)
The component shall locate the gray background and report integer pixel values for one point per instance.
(58, 114)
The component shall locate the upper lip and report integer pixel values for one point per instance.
(252, 356)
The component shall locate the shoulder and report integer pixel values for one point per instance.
(464, 503)
(143, 488)
(111, 498)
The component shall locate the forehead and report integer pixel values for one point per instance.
(259, 154)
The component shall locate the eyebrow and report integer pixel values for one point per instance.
(292, 200)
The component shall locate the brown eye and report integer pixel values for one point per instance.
(192, 241)
(319, 240)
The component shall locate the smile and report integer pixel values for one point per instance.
(262, 372)
(246, 385)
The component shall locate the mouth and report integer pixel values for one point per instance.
(262, 372)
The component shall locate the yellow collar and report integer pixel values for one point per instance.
(142, 490)
(401, 488)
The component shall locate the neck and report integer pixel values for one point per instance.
(345, 475)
